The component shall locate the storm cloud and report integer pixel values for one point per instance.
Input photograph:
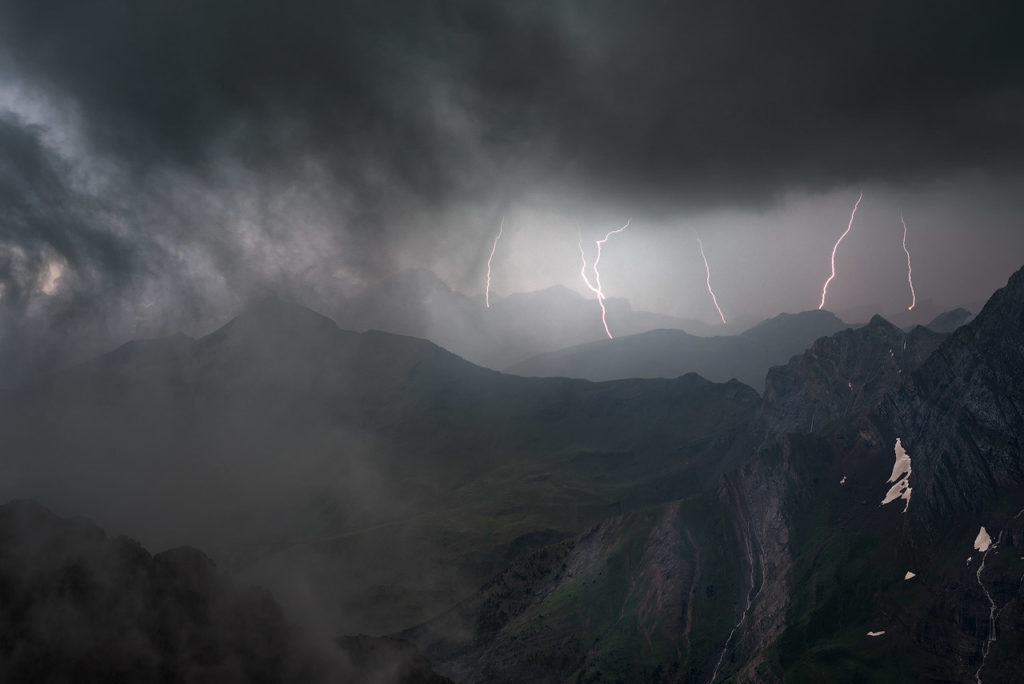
(222, 149)
(668, 97)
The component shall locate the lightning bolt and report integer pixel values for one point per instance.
(595, 287)
(910, 271)
(487, 290)
(707, 269)
(824, 290)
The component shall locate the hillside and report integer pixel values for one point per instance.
(304, 445)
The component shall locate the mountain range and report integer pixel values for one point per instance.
(547, 528)
(670, 353)
(281, 436)
(417, 303)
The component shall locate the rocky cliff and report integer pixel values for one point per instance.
(885, 542)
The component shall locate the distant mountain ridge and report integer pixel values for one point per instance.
(670, 353)
(416, 302)
(950, 320)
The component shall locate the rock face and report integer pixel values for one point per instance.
(836, 558)
(78, 606)
(964, 408)
(841, 375)
(795, 549)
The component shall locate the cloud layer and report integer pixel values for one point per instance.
(228, 147)
(667, 97)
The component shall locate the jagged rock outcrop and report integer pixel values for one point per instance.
(835, 558)
(963, 412)
(812, 577)
(842, 374)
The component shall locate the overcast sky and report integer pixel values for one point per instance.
(162, 162)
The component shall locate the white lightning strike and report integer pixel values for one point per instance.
(487, 290)
(707, 269)
(910, 271)
(824, 290)
(596, 286)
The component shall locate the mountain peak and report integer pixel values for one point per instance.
(281, 313)
(1002, 314)
(416, 279)
(950, 320)
(1016, 281)
(273, 319)
(787, 321)
(878, 321)
(553, 293)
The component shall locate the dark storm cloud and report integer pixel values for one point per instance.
(49, 229)
(46, 220)
(224, 149)
(448, 98)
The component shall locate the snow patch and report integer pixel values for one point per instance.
(901, 476)
(876, 634)
(843, 481)
(982, 541)
(910, 575)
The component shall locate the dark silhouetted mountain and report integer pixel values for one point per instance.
(671, 353)
(77, 606)
(897, 312)
(949, 321)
